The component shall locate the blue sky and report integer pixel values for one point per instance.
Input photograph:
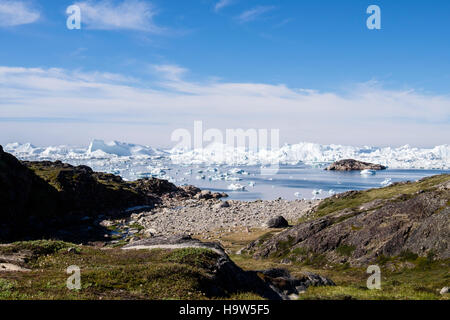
(139, 69)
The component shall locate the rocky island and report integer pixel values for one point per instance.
(352, 165)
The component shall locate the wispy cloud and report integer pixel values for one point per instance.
(128, 14)
(254, 13)
(222, 4)
(367, 114)
(170, 72)
(15, 13)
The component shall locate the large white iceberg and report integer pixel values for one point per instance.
(121, 149)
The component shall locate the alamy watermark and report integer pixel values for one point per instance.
(374, 20)
(74, 19)
(230, 146)
(374, 281)
(74, 281)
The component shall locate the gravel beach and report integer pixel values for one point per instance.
(195, 217)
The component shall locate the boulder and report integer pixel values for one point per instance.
(282, 279)
(277, 222)
(9, 267)
(174, 242)
(222, 204)
(207, 195)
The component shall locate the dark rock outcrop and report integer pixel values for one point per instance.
(351, 165)
(174, 242)
(206, 195)
(417, 222)
(46, 199)
(23, 195)
(288, 285)
(273, 284)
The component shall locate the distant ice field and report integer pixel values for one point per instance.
(301, 173)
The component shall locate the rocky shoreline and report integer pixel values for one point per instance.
(206, 217)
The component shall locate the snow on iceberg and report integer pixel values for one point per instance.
(386, 182)
(316, 155)
(236, 187)
(120, 149)
(367, 172)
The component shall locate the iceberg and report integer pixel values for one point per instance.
(120, 149)
(386, 182)
(236, 187)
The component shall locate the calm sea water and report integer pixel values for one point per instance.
(300, 182)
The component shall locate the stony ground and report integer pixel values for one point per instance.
(200, 217)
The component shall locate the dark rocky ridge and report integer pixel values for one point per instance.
(352, 165)
(414, 222)
(37, 199)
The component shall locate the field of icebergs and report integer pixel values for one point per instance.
(296, 170)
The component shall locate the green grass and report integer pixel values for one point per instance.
(402, 292)
(111, 273)
(6, 289)
(136, 226)
(418, 279)
(50, 175)
(405, 283)
(345, 250)
(37, 247)
(355, 200)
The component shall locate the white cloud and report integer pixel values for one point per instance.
(222, 4)
(15, 13)
(110, 15)
(170, 72)
(254, 13)
(112, 106)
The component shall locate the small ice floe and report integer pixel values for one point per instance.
(386, 182)
(233, 179)
(236, 187)
(143, 174)
(368, 172)
(237, 171)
